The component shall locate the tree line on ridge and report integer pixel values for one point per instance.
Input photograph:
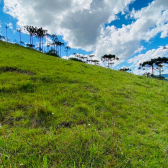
(54, 49)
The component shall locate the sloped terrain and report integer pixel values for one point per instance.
(62, 113)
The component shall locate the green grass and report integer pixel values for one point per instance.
(63, 113)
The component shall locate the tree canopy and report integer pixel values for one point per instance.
(124, 69)
(155, 64)
(109, 58)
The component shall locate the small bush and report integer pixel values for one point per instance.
(75, 59)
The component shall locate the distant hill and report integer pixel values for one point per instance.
(165, 75)
(63, 113)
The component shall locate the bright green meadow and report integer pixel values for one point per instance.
(57, 113)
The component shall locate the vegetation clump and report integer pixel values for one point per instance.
(75, 59)
(52, 53)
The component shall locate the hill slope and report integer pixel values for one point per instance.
(59, 113)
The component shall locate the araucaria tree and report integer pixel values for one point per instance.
(160, 63)
(155, 64)
(32, 32)
(48, 45)
(148, 64)
(6, 27)
(54, 41)
(40, 33)
(90, 60)
(124, 69)
(60, 44)
(20, 31)
(96, 62)
(43, 35)
(67, 48)
(109, 59)
(2, 37)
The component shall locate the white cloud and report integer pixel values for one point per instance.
(165, 72)
(125, 42)
(81, 22)
(65, 57)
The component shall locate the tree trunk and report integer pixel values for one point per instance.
(42, 44)
(20, 37)
(39, 43)
(152, 70)
(32, 40)
(6, 35)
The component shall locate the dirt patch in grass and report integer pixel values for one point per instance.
(12, 69)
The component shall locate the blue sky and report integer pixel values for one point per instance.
(133, 30)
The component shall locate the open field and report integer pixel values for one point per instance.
(62, 113)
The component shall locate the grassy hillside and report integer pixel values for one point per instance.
(59, 113)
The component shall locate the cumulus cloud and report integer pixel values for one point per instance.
(81, 23)
(125, 41)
